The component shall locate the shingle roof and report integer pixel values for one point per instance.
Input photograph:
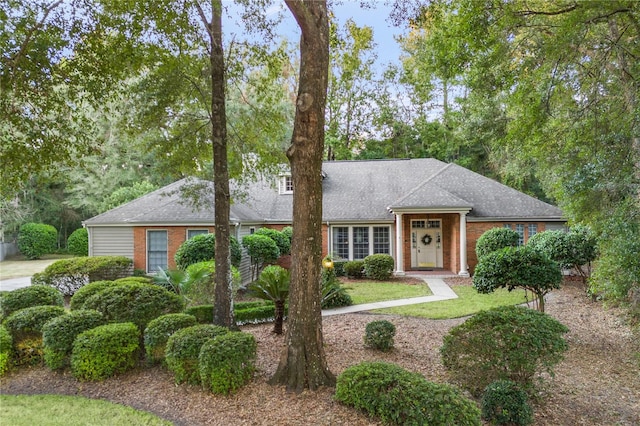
(352, 191)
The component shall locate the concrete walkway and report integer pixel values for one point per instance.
(440, 290)
(14, 283)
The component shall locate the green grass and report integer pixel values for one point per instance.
(368, 292)
(19, 266)
(53, 410)
(469, 302)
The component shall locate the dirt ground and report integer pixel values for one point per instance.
(598, 383)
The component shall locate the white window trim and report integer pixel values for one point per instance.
(166, 231)
(195, 229)
(371, 242)
(282, 184)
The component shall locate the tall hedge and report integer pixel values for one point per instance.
(78, 242)
(37, 239)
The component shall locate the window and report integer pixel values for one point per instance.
(360, 242)
(381, 240)
(341, 241)
(419, 224)
(286, 185)
(156, 250)
(533, 229)
(520, 231)
(433, 224)
(193, 232)
(508, 226)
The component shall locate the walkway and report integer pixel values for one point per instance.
(440, 290)
(14, 283)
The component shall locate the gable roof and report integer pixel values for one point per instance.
(352, 191)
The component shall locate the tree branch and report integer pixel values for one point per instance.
(552, 13)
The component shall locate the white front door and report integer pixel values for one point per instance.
(426, 244)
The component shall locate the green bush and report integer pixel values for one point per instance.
(244, 312)
(78, 242)
(282, 241)
(379, 335)
(199, 291)
(354, 268)
(273, 285)
(160, 329)
(86, 291)
(139, 279)
(37, 239)
(68, 275)
(6, 346)
(400, 397)
(227, 362)
(333, 294)
(338, 267)
(134, 302)
(183, 349)
(378, 266)
(105, 351)
(505, 343)
(202, 248)
(262, 250)
(496, 239)
(59, 333)
(504, 403)
(27, 297)
(203, 313)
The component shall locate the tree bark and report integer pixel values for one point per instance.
(303, 363)
(223, 304)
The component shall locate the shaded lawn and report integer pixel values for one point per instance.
(376, 291)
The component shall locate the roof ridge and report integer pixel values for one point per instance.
(421, 184)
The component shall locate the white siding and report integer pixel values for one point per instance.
(245, 264)
(111, 241)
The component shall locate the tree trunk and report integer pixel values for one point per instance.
(278, 316)
(223, 305)
(303, 363)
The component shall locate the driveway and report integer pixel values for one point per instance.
(14, 283)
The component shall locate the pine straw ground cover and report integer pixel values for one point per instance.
(597, 384)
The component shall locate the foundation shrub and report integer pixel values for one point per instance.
(37, 239)
(202, 248)
(379, 335)
(203, 313)
(134, 302)
(354, 268)
(78, 242)
(495, 239)
(401, 397)
(59, 334)
(105, 351)
(282, 240)
(226, 362)
(333, 294)
(183, 349)
(27, 297)
(6, 345)
(160, 329)
(506, 343)
(85, 292)
(504, 403)
(378, 267)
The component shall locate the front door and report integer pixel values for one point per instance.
(426, 244)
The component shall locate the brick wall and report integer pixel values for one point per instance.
(176, 235)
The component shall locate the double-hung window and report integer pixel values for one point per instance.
(156, 250)
(193, 232)
(358, 242)
(520, 231)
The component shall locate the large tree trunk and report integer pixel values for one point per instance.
(303, 363)
(223, 306)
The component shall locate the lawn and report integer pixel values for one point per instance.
(368, 292)
(53, 410)
(19, 266)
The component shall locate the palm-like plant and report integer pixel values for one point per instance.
(273, 285)
(181, 282)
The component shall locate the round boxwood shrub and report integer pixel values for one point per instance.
(160, 329)
(86, 291)
(496, 239)
(227, 362)
(37, 239)
(378, 266)
(6, 345)
(282, 240)
(183, 349)
(59, 334)
(504, 403)
(505, 343)
(354, 268)
(134, 302)
(202, 248)
(105, 351)
(26, 297)
(401, 397)
(379, 335)
(78, 242)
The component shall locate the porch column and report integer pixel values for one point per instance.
(399, 246)
(463, 245)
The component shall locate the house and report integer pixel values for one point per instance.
(425, 213)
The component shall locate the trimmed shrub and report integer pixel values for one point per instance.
(37, 239)
(59, 334)
(203, 313)
(227, 362)
(282, 241)
(262, 250)
(202, 248)
(85, 292)
(141, 280)
(338, 267)
(379, 335)
(68, 275)
(160, 329)
(27, 297)
(78, 242)
(354, 268)
(505, 343)
(244, 312)
(333, 294)
(504, 403)
(134, 302)
(496, 239)
(378, 266)
(6, 345)
(105, 351)
(183, 349)
(401, 397)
